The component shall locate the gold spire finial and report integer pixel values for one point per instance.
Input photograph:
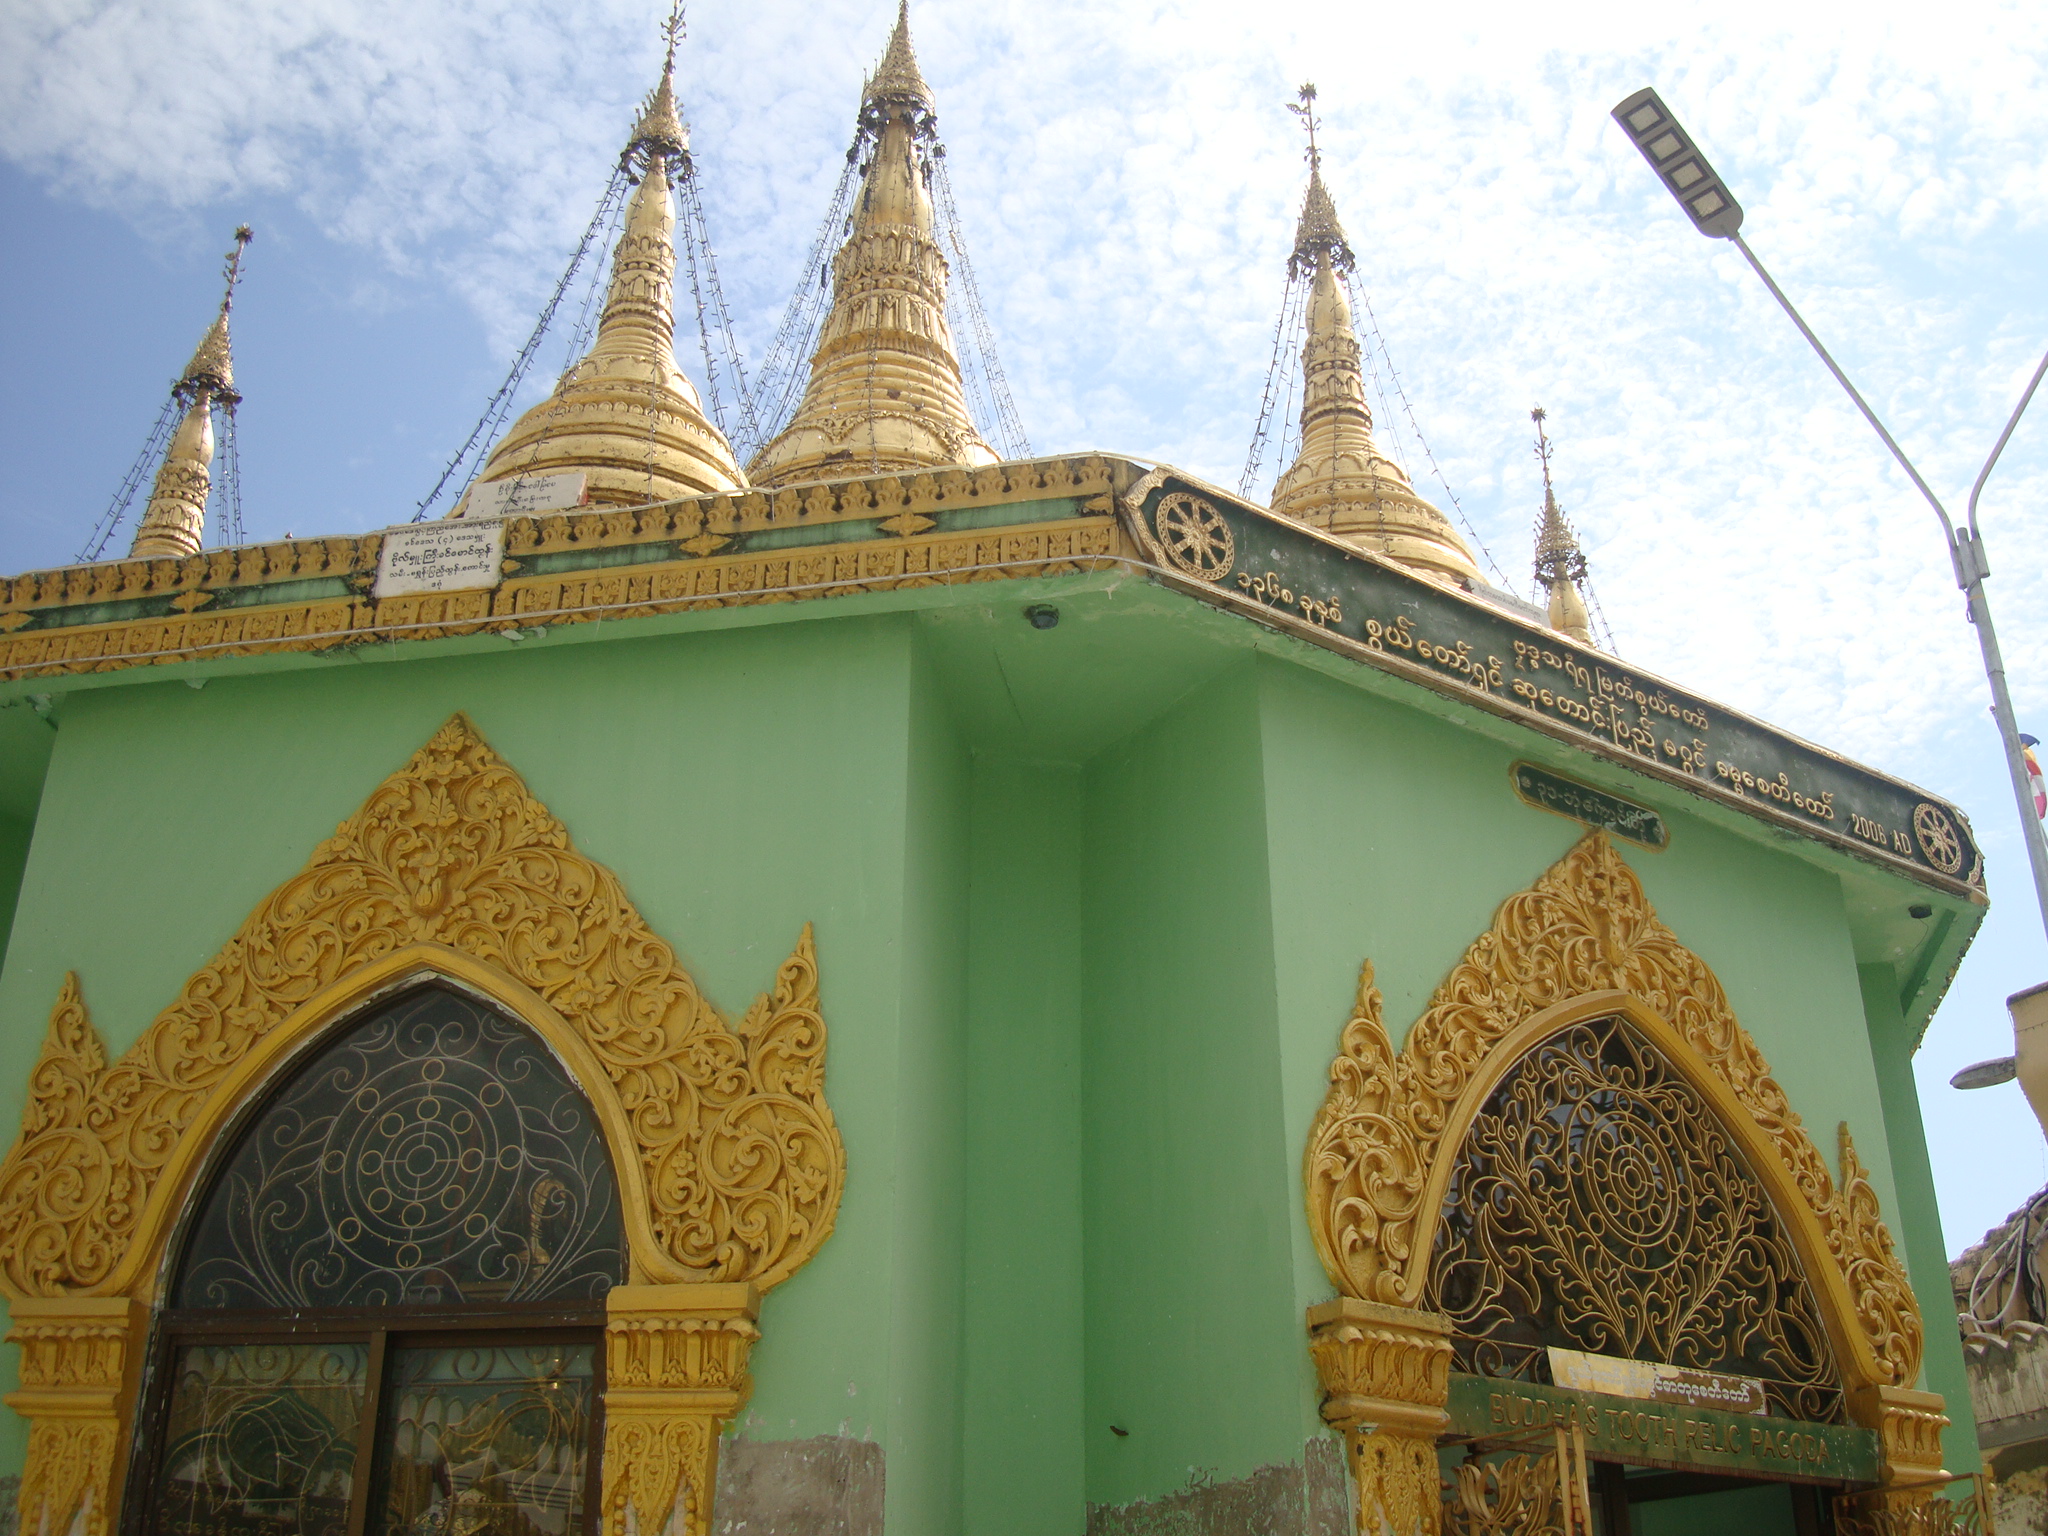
(1342, 481)
(660, 128)
(174, 523)
(624, 414)
(1560, 564)
(885, 390)
(896, 85)
(1304, 107)
(1318, 237)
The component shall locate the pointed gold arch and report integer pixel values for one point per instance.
(730, 1164)
(1582, 942)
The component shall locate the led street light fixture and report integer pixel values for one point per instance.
(1679, 164)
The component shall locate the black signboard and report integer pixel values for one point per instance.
(1595, 807)
(1245, 558)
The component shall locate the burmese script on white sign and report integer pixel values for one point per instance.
(527, 494)
(455, 556)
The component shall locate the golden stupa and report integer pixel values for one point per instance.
(174, 523)
(624, 414)
(885, 391)
(1342, 481)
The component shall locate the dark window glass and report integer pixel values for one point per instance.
(434, 1154)
(487, 1439)
(261, 1438)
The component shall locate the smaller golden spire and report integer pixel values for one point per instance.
(1341, 480)
(624, 413)
(175, 521)
(885, 392)
(1560, 563)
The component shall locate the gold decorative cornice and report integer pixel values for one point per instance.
(697, 553)
(1385, 1375)
(675, 1372)
(80, 1358)
(1584, 937)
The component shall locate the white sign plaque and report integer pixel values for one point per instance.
(454, 555)
(524, 494)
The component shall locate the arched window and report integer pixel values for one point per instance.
(387, 1316)
(1597, 1204)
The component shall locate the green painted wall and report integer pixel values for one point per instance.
(740, 783)
(1395, 837)
(1024, 1434)
(1916, 1223)
(1194, 1342)
(926, 1171)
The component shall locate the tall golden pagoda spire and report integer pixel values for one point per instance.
(885, 391)
(1560, 564)
(174, 523)
(624, 414)
(1342, 481)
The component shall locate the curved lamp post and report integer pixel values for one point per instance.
(1716, 214)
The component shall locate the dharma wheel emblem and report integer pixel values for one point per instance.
(1194, 536)
(1938, 838)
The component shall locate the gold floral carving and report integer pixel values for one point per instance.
(1585, 928)
(676, 1364)
(741, 1162)
(651, 582)
(1385, 1375)
(1515, 1496)
(1916, 1512)
(78, 1363)
(730, 1164)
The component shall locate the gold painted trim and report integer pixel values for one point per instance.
(730, 1165)
(703, 526)
(1585, 942)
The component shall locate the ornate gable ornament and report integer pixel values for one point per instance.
(729, 1163)
(1580, 944)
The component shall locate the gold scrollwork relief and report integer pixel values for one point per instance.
(1585, 932)
(1514, 1496)
(1581, 946)
(1385, 1373)
(729, 1161)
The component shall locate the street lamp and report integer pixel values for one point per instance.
(1716, 214)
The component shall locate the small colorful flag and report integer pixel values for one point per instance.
(2034, 779)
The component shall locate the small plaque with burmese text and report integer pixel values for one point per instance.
(458, 555)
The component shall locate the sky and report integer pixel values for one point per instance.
(418, 174)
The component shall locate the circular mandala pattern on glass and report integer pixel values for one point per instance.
(434, 1153)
